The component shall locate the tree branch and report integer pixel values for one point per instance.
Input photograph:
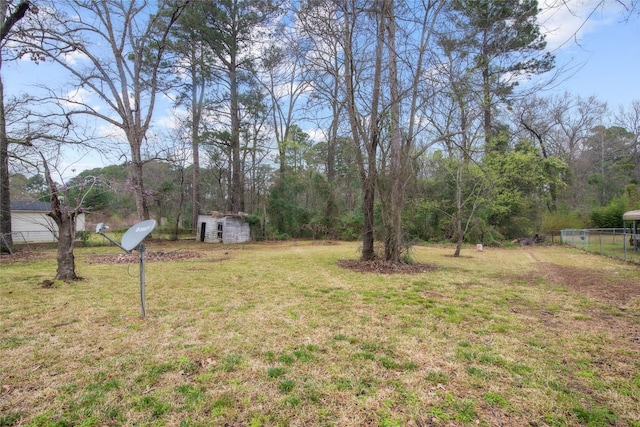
(17, 15)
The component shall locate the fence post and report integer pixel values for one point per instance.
(624, 238)
(600, 240)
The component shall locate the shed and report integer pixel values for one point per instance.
(634, 227)
(220, 227)
(31, 224)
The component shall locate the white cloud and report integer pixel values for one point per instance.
(316, 135)
(567, 21)
(74, 57)
(77, 96)
(173, 119)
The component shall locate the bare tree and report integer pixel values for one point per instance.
(534, 118)
(44, 133)
(629, 119)
(283, 77)
(383, 92)
(9, 16)
(65, 218)
(119, 46)
(324, 68)
(408, 56)
(365, 126)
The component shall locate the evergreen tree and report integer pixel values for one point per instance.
(232, 28)
(505, 43)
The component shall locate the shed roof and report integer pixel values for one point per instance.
(631, 216)
(30, 206)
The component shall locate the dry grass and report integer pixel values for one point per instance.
(279, 334)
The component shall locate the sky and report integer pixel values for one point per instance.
(600, 55)
(596, 44)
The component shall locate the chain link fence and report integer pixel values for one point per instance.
(613, 242)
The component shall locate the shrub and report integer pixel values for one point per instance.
(555, 221)
(350, 226)
(609, 216)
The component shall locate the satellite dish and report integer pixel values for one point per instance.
(136, 234)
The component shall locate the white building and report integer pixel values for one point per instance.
(223, 228)
(31, 224)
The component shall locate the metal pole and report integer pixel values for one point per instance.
(141, 248)
(624, 238)
(600, 239)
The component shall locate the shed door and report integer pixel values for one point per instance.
(203, 228)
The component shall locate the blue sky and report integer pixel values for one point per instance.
(603, 58)
(603, 54)
(600, 56)
(611, 70)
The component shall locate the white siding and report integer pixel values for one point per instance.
(210, 229)
(34, 227)
(223, 229)
(236, 230)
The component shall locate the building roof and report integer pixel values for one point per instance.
(631, 216)
(30, 206)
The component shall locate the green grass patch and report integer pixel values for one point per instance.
(278, 334)
(496, 399)
(436, 377)
(9, 419)
(152, 405)
(286, 385)
(276, 372)
(598, 416)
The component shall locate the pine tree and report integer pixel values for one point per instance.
(504, 43)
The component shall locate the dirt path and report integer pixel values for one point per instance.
(595, 284)
(616, 315)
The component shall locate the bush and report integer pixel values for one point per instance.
(350, 226)
(255, 226)
(556, 221)
(609, 216)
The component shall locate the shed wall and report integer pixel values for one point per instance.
(210, 229)
(236, 230)
(225, 229)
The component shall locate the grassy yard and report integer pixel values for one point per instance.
(612, 244)
(278, 334)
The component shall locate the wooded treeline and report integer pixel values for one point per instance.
(381, 120)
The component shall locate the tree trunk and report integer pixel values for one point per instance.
(66, 222)
(197, 101)
(180, 204)
(137, 186)
(486, 102)
(464, 159)
(330, 211)
(394, 242)
(66, 235)
(363, 142)
(237, 193)
(458, 219)
(6, 240)
(195, 196)
(368, 204)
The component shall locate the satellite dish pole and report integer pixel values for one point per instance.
(143, 303)
(131, 240)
